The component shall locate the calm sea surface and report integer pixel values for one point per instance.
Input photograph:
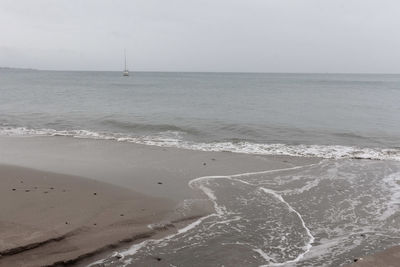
(238, 112)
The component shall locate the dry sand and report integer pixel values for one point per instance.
(56, 215)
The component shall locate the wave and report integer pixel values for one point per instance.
(134, 126)
(174, 139)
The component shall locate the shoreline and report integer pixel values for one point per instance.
(126, 178)
(125, 164)
(88, 214)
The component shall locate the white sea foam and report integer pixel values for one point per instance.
(332, 237)
(307, 247)
(173, 139)
(392, 183)
(125, 257)
(136, 247)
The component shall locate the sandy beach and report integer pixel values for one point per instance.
(49, 218)
(74, 201)
(64, 200)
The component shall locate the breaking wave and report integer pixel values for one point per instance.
(175, 139)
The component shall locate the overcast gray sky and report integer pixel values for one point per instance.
(202, 35)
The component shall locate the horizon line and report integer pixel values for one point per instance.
(176, 71)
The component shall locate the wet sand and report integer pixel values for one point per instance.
(73, 201)
(387, 258)
(66, 199)
(133, 166)
(48, 217)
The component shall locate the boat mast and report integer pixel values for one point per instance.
(125, 58)
(126, 72)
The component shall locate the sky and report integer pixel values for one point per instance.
(319, 36)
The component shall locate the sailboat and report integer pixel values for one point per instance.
(126, 72)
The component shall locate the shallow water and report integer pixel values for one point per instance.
(323, 214)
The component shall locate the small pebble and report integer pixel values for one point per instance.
(95, 224)
(159, 183)
(51, 188)
(45, 192)
(158, 259)
(95, 194)
(121, 215)
(14, 189)
(27, 190)
(213, 159)
(21, 182)
(204, 164)
(66, 222)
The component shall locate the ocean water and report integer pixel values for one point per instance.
(328, 115)
(323, 214)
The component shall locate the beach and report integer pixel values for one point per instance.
(81, 201)
(54, 216)
(50, 219)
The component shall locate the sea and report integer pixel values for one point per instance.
(323, 214)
